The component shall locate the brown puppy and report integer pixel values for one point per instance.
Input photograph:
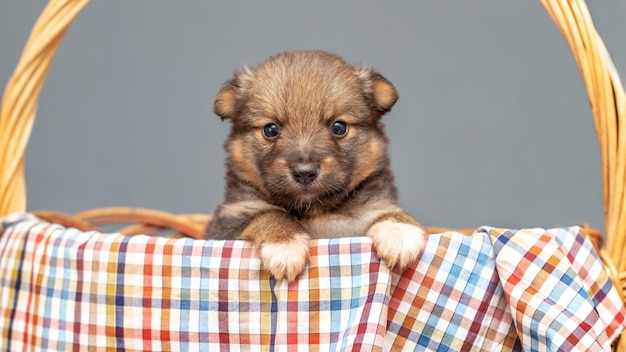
(307, 159)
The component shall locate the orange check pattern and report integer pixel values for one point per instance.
(532, 290)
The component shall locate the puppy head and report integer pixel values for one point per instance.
(306, 128)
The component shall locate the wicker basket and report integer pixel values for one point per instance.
(606, 95)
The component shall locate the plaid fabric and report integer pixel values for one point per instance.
(62, 289)
(556, 278)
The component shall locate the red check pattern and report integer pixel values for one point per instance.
(533, 290)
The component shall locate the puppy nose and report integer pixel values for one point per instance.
(305, 173)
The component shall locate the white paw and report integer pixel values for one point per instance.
(286, 260)
(398, 244)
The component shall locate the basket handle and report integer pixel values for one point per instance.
(572, 17)
(19, 103)
(608, 106)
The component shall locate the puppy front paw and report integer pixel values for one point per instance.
(398, 244)
(286, 260)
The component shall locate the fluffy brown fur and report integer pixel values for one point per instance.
(307, 159)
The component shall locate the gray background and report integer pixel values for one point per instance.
(493, 124)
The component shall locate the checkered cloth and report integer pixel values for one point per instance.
(536, 290)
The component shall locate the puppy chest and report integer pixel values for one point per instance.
(331, 226)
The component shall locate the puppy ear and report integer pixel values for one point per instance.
(225, 105)
(228, 99)
(384, 94)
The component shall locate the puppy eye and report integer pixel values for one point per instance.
(339, 128)
(270, 131)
